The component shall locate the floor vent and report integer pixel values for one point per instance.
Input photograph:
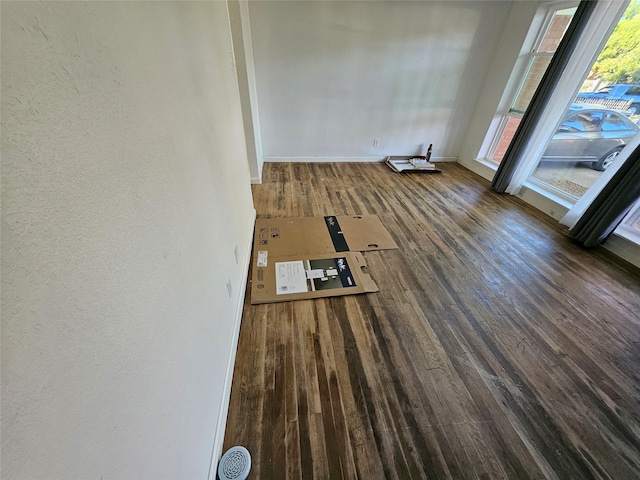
(235, 464)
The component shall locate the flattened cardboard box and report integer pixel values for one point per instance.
(302, 235)
(312, 276)
(313, 257)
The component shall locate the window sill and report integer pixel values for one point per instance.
(488, 163)
(554, 194)
(481, 167)
(546, 199)
(628, 233)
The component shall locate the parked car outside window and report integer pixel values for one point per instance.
(593, 135)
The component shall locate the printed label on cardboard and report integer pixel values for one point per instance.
(336, 274)
(322, 274)
(290, 278)
(262, 258)
(295, 278)
(315, 273)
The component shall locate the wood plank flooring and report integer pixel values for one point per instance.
(496, 347)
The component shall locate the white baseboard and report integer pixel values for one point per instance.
(323, 159)
(256, 181)
(479, 168)
(544, 201)
(623, 248)
(226, 393)
(344, 159)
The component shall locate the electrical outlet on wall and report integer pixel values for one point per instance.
(376, 142)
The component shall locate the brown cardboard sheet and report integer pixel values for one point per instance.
(302, 235)
(297, 277)
(313, 257)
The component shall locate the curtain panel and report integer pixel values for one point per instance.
(611, 205)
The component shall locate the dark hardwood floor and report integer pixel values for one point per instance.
(495, 348)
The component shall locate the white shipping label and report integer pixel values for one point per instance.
(262, 258)
(290, 277)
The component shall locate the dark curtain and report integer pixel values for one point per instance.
(542, 95)
(611, 205)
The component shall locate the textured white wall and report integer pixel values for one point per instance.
(334, 75)
(125, 189)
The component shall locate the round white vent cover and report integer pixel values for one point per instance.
(235, 464)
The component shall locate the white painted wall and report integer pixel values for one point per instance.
(125, 189)
(334, 75)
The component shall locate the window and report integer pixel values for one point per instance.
(583, 122)
(614, 122)
(561, 104)
(549, 37)
(596, 128)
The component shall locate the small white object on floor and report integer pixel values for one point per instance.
(235, 464)
(399, 164)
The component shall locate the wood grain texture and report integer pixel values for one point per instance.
(496, 347)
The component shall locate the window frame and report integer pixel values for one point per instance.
(626, 228)
(535, 38)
